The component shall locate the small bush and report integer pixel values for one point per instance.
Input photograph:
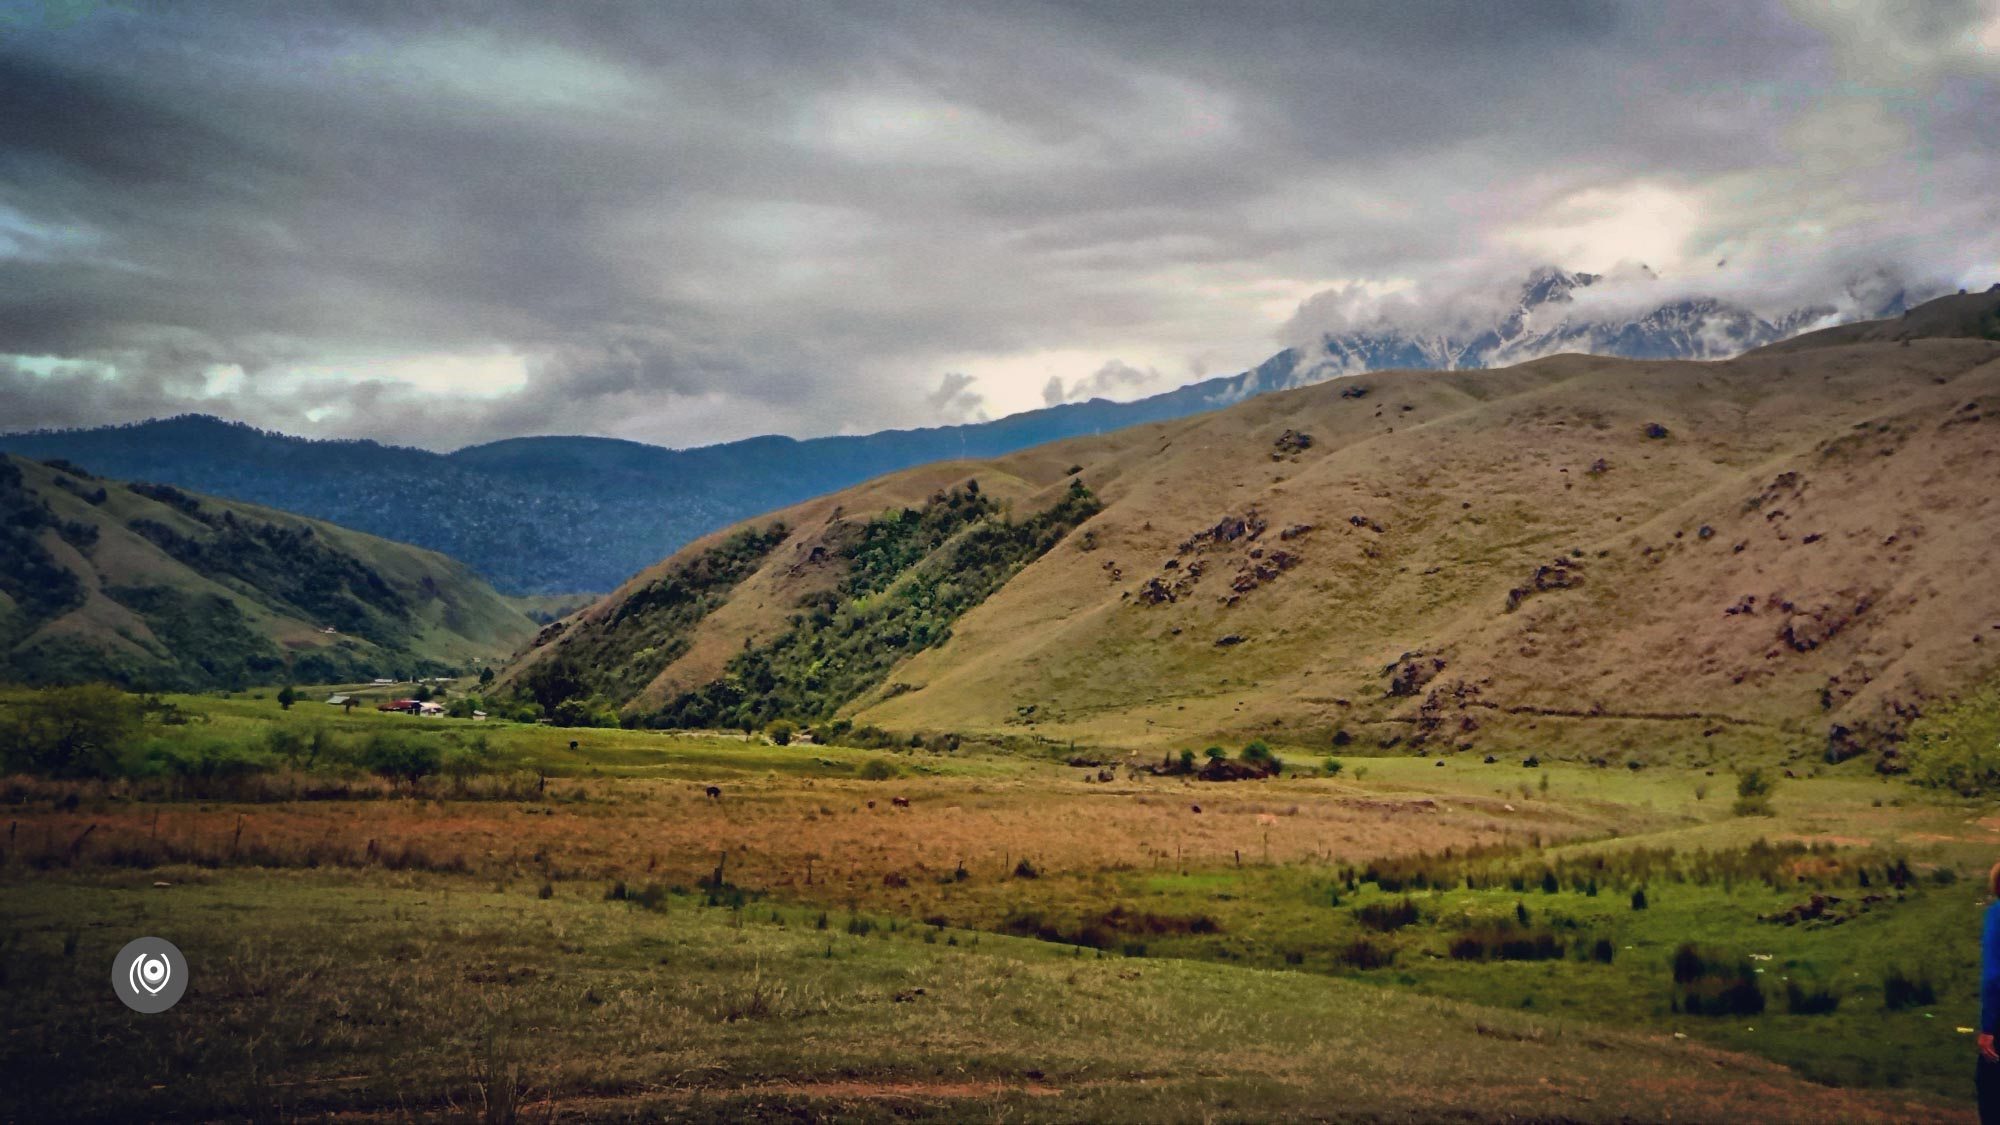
(1387, 917)
(401, 757)
(1026, 870)
(1708, 985)
(70, 731)
(879, 769)
(1815, 1001)
(780, 732)
(1901, 991)
(1753, 793)
(1958, 747)
(1506, 943)
(1332, 767)
(1365, 954)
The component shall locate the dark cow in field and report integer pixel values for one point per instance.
(572, 744)
(714, 794)
(900, 802)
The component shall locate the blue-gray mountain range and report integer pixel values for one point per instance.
(567, 514)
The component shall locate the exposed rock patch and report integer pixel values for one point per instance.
(1411, 671)
(1562, 574)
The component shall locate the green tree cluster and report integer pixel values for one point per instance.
(912, 573)
(71, 731)
(1957, 747)
(1753, 792)
(649, 630)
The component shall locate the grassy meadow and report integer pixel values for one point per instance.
(583, 931)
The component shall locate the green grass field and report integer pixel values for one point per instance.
(390, 953)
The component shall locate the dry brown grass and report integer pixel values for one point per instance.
(816, 840)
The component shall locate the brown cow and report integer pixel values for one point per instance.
(900, 802)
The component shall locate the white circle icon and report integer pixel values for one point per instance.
(149, 975)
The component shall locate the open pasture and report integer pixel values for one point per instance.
(1143, 947)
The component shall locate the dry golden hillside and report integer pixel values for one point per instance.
(1581, 556)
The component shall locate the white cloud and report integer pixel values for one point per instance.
(954, 400)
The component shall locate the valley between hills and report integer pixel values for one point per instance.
(1586, 740)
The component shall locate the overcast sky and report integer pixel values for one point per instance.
(688, 223)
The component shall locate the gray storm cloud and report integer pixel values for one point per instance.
(689, 224)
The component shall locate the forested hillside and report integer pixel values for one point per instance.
(151, 586)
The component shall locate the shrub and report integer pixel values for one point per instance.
(1506, 943)
(780, 732)
(1815, 1001)
(70, 731)
(1958, 747)
(1026, 870)
(1708, 985)
(200, 759)
(1332, 767)
(401, 757)
(1901, 991)
(878, 769)
(469, 762)
(1753, 793)
(1215, 753)
(1386, 917)
(1639, 898)
(1365, 954)
(583, 713)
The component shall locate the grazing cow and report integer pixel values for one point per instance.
(900, 802)
(714, 794)
(1196, 808)
(572, 744)
(871, 804)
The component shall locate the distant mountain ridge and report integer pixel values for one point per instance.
(1633, 562)
(547, 515)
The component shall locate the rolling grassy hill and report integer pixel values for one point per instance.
(149, 586)
(557, 515)
(1786, 551)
